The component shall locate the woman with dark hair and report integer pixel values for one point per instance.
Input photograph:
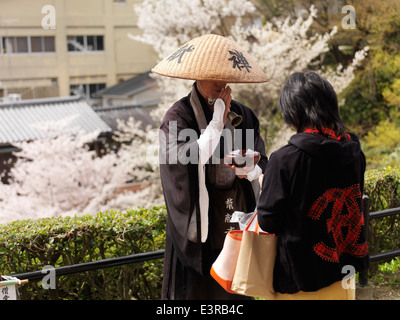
(312, 196)
(309, 101)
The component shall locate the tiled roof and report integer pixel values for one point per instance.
(139, 113)
(17, 119)
(128, 87)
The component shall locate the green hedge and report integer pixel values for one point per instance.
(383, 188)
(31, 244)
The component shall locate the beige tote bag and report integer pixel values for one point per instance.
(255, 265)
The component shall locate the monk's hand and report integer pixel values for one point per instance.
(241, 172)
(226, 97)
(251, 173)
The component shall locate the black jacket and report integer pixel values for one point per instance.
(311, 198)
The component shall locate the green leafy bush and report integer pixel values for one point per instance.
(29, 245)
(390, 267)
(383, 188)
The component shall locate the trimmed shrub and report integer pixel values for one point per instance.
(383, 188)
(30, 245)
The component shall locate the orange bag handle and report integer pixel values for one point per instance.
(251, 221)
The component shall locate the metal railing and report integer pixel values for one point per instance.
(363, 275)
(140, 257)
(381, 214)
(94, 265)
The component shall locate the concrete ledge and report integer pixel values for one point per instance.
(364, 293)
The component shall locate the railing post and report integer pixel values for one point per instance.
(363, 274)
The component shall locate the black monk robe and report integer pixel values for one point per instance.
(187, 259)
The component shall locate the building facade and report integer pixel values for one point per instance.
(51, 48)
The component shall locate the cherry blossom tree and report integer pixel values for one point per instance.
(60, 175)
(138, 157)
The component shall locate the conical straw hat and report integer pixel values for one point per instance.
(214, 58)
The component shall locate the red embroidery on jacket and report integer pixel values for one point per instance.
(330, 133)
(352, 219)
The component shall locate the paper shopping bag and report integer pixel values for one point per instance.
(224, 267)
(255, 265)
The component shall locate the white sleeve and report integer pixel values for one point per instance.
(254, 174)
(209, 139)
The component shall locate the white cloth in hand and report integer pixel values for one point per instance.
(209, 139)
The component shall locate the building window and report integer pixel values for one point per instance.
(86, 90)
(85, 43)
(42, 44)
(21, 44)
(14, 45)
